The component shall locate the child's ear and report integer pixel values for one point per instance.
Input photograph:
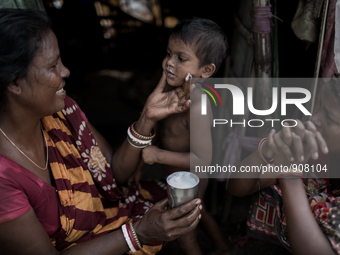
(208, 70)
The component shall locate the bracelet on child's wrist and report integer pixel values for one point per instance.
(259, 151)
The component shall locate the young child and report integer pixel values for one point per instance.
(196, 49)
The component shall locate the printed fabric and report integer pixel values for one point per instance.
(91, 203)
(267, 220)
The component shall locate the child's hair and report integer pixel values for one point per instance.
(206, 36)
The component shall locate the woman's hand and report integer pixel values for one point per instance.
(160, 224)
(161, 104)
(149, 154)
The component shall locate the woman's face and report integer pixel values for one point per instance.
(43, 88)
(327, 119)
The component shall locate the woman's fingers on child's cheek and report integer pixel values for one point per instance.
(182, 101)
(188, 77)
(177, 90)
(187, 81)
(187, 105)
(181, 94)
(298, 147)
(321, 143)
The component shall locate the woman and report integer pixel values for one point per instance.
(60, 182)
(300, 209)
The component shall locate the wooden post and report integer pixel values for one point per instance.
(263, 70)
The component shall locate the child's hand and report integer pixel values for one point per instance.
(135, 177)
(149, 154)
(296, 144)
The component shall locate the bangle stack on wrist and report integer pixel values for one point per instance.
(133, 136)
(292, 172)
(135, 237)
(131, 237)
(259, 151)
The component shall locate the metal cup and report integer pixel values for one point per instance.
(182, 188)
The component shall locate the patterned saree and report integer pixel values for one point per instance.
(91, 203)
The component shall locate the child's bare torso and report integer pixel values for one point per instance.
(174, 135)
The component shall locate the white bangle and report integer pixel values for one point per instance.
(127, 238)
(136, 146)
(137, 140)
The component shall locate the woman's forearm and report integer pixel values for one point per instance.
(30, 238)
(126, 159)
(305, 235)
(111, 244)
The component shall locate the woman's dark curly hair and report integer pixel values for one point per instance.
(21, 35)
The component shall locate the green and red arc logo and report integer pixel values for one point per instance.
(209, 93)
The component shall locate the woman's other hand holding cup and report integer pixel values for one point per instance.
(159, 223)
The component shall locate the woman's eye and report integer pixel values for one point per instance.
(168, 54)
(54, 65)
(180, 58)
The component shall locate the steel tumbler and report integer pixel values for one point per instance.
(182, 187)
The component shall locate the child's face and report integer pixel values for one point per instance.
(327, 120)
(179, 61)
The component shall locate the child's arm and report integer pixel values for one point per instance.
(153, 154)
(200, 142)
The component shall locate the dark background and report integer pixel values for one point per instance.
(140, 52)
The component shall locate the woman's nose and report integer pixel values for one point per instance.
(64, 71)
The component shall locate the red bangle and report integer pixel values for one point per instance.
(152, 134)
(131, 237)
(135, 135)
(290, 174)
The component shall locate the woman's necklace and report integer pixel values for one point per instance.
(25, 154)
